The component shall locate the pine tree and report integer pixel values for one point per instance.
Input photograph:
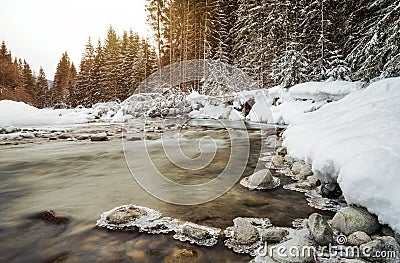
(84, 81)
(41, 89)
(376, 53)
(60, 88)
(109, 84)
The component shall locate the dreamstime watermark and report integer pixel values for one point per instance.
(331, 251)
(161, 92)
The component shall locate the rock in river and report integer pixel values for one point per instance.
(127, 216)
(99, 137)
(274, 234)
(244, 235)
(261, 180)
(352, 219)
(320, 230)
(197, 234)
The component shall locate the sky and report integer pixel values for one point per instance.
(40, 31)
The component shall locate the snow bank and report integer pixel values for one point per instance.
(20, 114)
(307, 97)
(330, 90)
(356, 142)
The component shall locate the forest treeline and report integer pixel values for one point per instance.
(283, 41)
(274, 41)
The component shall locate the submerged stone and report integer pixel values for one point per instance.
(184, 255)
(197, 234)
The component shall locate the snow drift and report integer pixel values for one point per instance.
(356, 142)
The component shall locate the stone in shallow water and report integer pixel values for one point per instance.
(320, 230)
(277, 161)
(296, 167)
(127, 216)
(244, 231)
(316, 200)
(244, 235)
(197, 234)
(274, 234)
(160, 226)
(261, 180)
(352, 219)
(99, 137)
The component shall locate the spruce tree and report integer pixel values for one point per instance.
(41, 89)
(60, 88)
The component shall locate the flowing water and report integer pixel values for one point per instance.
(80, 180)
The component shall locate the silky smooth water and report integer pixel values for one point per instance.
(80, 180)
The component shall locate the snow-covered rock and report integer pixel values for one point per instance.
(320, 91)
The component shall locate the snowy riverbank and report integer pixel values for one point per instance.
(350, 134)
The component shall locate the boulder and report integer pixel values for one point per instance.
(244, 231)
(123, 215)
(306, 171)
(291, 251)
(277, 160)
(352, 219)
(382, 245)
(261, 180)
(358, 238)
(195, 232)
(296, 167)
(274, 234)
(320, 230)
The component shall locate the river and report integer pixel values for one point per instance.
(79, 180)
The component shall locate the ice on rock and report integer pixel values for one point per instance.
(197, 234)
(261, 180)
(316, 200)
(163, 225)
(127, 216)
(244, 236)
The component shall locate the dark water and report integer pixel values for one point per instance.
(80, 180)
